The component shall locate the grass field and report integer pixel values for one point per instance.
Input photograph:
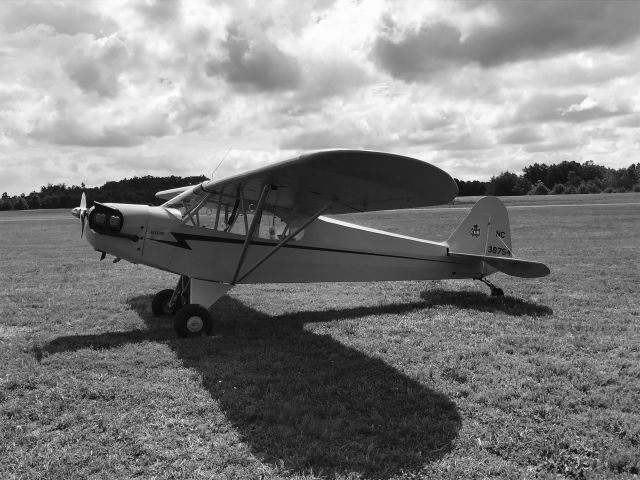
(382, 380)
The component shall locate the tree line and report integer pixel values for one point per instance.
(130, 190)
(537, 179)
(561, 178)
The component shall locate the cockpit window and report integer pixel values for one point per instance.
(207, 212)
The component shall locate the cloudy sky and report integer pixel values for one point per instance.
(92, 91)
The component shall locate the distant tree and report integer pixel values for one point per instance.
(51, 201)
(536, 172)
(508, 183)
(471, 188)
(573, 178)
(5, 204)
(20, 203)
(558, 189)
(538, 189)
(583, 188)
(559, 173)
(522, 186)
(628, 177)
(34, 201)
(594, 186)
(590, 171)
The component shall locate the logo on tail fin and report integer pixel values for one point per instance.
(475, 231)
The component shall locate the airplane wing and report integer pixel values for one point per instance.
(353, 180)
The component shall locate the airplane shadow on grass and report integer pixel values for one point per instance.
(484, 303)
(307, 399)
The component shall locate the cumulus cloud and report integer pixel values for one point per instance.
(576, 108)
(168, 86)
(518, 31)
(468, 141)
(520, 136)
(192, 115)
(69, 132)
(69, 18)
(555, 146)
(160, 12)
(96, 66)
(255, 63)
(68, 125)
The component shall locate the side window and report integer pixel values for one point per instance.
(207, 216)
(272, 227)
(230, 217)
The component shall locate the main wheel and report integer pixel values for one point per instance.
(193, 320)
(497, 292)
(160, 303)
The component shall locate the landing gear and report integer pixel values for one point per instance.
(495, 291)
(160, 303)
(169, 301)
(193, 320)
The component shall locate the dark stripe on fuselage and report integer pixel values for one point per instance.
(181, 242)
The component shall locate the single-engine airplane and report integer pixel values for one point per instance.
(267, 225)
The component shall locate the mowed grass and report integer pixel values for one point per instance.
(379, 380)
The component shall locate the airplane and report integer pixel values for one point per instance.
(270, 225)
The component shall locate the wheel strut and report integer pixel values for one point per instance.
(495, 291)
(181, 292)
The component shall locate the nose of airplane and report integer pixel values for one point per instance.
(118, 229)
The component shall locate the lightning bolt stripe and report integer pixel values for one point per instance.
(181, 242)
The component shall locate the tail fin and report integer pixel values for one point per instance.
(485, 231)
(485, 235)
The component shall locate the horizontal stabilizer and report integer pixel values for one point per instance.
(511, 266)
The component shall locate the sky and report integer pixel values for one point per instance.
(93, 91)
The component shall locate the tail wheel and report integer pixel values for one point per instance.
(193, 320)
(160, 303)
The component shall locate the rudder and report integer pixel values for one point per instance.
(484, 231)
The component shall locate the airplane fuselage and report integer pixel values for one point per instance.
(329, 251)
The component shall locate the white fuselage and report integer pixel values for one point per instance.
(329, 251)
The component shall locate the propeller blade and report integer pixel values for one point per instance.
(81, 212)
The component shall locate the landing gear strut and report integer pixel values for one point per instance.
(190, 319)
(169, 301)
(495, 291)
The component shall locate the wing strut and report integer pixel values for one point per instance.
(280, 244)
(254, 223)
(189, 213)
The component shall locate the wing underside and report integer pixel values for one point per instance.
(350, 180)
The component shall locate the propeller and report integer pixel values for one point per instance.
(81, 212)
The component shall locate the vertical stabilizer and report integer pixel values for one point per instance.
(485, 231)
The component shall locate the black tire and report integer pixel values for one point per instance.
(193, 320)
(160, 303)
(497, 292)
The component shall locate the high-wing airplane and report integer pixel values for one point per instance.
(267, 225)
